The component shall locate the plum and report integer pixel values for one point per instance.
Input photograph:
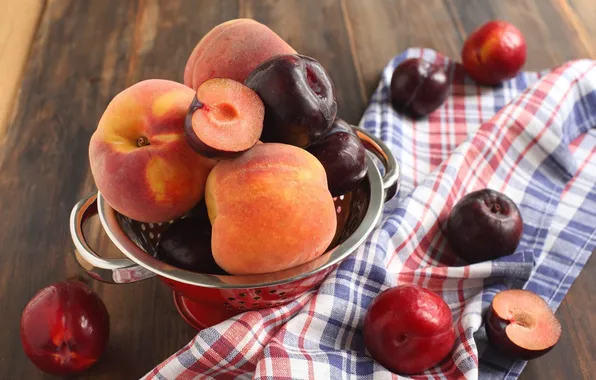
(484, 225)
(408, 329)
(186, 244)
(224, 119)
(494, 52)
(418, 87)
(343, 156)
(65, 328)
(520, 324)
(299, 99)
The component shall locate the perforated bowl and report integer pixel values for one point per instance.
(206, 299)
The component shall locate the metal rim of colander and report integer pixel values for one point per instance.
(132, 251)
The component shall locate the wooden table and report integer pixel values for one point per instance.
(61, 61)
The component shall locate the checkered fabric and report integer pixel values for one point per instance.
(529, 138)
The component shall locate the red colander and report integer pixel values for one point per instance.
(207, 299)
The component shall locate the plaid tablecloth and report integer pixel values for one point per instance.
(529, 138)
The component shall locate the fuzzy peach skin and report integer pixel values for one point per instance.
(140, 160)
(232, 50)
(270, 210)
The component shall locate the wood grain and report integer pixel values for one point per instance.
(85, 52)
(18, 24)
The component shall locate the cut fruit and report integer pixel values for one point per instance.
(520, 324)
(225, 119)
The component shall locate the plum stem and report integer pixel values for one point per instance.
(495, 208)
(142, 141)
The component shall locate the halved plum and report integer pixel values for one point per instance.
(224, 119)
(521, 325)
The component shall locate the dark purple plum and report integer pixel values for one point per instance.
(521, 325)
(343, 156)
(299, 99)
(186, 244)
(484, 225)
(418, 87)
(224, 119)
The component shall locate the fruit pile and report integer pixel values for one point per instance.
(409, 329)
(240, 155)
(252, 134)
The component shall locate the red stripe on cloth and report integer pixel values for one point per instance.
(576, 143)
(413, 260)
(210, 361)
(310, 313)
(579, 170)
(535, 140)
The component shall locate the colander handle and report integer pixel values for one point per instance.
(114, 271)
(377, 147)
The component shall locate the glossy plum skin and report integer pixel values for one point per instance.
(494, 52)
(484, 225)
(65, 328)
(186, 244)
(299, 99)
(408, 329)
(343, 156)
(418, 87)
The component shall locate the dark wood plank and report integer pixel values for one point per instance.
(383, 28)
(86, 52)
(18, 25)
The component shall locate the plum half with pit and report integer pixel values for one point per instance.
(484, 225)
(65, 328)
(520, 324)
(418, 87)
(299, 99)
(343, 156)
(225, 119)
(186, 244)
(408, 329)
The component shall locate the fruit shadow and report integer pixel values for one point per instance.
(464, 86)
(115, 355)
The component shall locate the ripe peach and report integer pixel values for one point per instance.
(270, 209)
(232, 50)
(494, 52)
(139, 157)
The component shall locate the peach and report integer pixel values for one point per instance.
(140, 159)
(232, 50)
(270, 210)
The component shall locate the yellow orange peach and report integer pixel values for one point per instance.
(139, 157)
(270, 210)
(232, 50)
